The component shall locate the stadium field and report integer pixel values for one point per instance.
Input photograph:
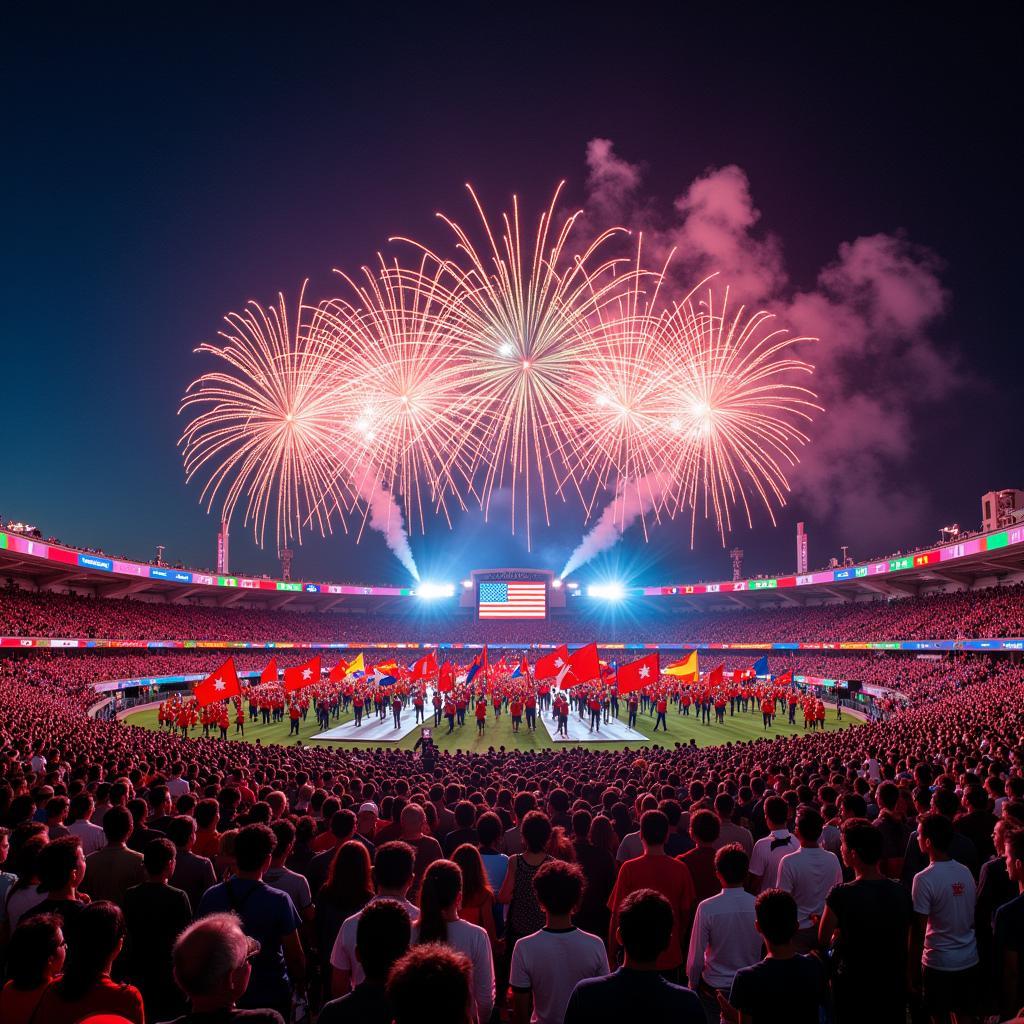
(741, 727)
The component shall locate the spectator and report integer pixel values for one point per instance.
(61, 870)
(80, 824)
(477, 904)
(426, 847)
(112, 871)
(700, 861)
(193, 874)
(646, 926)
(1009, 932)
(943, 934)
(784, 988)
(268, 916)
(280, 877)
(213, 962)
(95, 941)
(598, 867)
(35, 957)
(724, 938)
(392, 878)
(866, 924)
(729, 831)
(440, 898)
(808, 875)
(654, 869)
(525, 915)
(547, 964)
(383, 935)
(769, 851)
(155, 914)
(431, 985)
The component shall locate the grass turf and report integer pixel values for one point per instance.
(681, 729)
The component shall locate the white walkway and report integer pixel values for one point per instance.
(579, 730)
(374, 730)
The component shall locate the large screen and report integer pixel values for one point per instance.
(512, 599)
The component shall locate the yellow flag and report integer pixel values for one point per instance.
(356, 666)
(685, 669)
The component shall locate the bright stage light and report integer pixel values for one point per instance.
(467, 584)
(430, 591)
(607, 591)
(556, 583)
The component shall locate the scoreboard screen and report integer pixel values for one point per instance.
(512, 599)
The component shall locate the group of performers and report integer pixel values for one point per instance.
(521, 698)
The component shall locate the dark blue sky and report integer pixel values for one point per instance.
(162, 168)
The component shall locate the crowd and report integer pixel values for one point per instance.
(863, 874)
(987, 613)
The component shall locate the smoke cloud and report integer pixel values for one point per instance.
(384, 515)
(872, 308)
(633, 500)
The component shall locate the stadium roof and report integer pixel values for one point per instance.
(49, 565)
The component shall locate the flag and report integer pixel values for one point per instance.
(269, 674)
(737, 676)
(686, 669)
(446, 678)
(716, 676)
(338, 673)
(220, 685)
(639, 673)
(786, 679)
(478, 663)
(761, 666)
(522, 670)
(302, 676)
(551, 664)
(382, 674)
(425, 668)
(583, 666)
(356, 667)
(512, 601)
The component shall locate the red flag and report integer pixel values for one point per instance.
(446, 678)
(716, 676)
(551, 664)
(425, 668)
(639, 673)
(786, 679)
(302, 676)
(269, 674)
(338, 673)
(220, 685)
(582, 667)
(737, 675)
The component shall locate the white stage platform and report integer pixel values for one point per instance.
(374, 730)
(579, 731)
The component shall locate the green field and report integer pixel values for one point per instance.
(681, 729)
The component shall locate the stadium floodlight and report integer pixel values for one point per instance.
(607, 591)
(573, 585)
(556, 583)
(430, 591)
(467, 584)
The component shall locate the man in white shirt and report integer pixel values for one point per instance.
(724, 938)
(281, 877)
(392, 876)
(768, 852)
(177, 786)
(809, 875)
(547, 964)
(943, 939)
(92, 836)
(730, 832)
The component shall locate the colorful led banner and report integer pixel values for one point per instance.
(101, 563)
(35, 642)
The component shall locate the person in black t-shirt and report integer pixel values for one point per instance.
(212, 966)
(867, 924)
(382, 938)
(645, 930)
(785, 987)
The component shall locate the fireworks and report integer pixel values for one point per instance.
(265, 430)
(534, 364)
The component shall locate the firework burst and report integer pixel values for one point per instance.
(524, 317)
(265, 426)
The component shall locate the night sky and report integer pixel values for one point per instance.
(161, 169)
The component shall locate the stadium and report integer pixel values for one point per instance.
(470, 549)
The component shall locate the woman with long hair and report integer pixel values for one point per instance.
(95, 941)
(347, 890)
(440, 903)
(35, 957)
(477, 895)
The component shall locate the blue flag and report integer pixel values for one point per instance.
(761, 666)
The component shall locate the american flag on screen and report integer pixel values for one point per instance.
(513, 601)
